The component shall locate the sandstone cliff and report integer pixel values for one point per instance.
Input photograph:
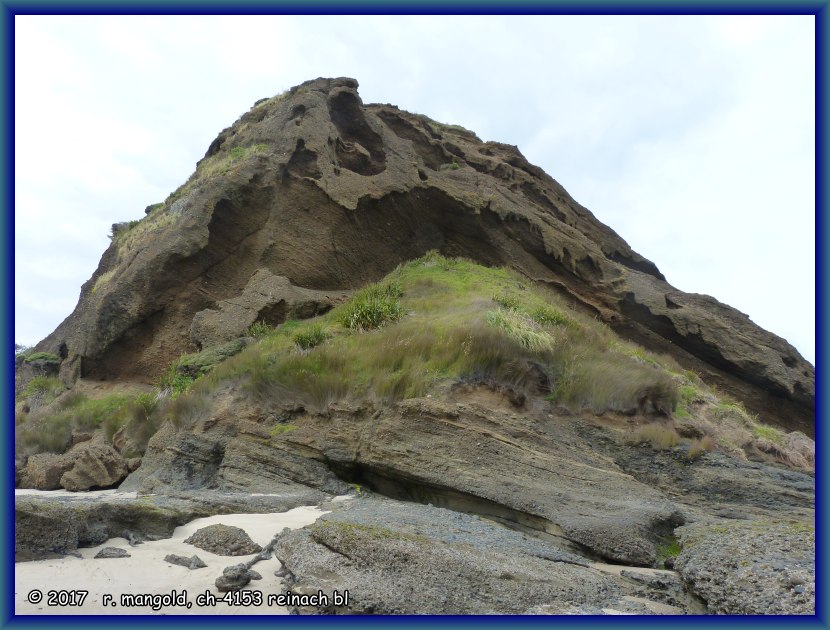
(312, 194)
(379, 305)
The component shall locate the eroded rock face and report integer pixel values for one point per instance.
(312, 194)
(95, 466)
(751, 568)
(525, 468)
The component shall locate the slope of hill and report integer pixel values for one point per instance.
(350, 299)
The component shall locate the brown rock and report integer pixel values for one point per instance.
(95, 465)
(44, 471)
(312, 194)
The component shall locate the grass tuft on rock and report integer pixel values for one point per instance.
(372, 307)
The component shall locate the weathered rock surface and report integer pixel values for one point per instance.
(522, 467)
(44, 471)
(112, 552)
(759, 567)
(192, 563)
(312, 194)
(266, 297)
(235, 578)
(224, 540)
(94, 466)
(402, 558)
(88, 464)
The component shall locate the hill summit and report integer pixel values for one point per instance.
(312, 194)
(499, 406)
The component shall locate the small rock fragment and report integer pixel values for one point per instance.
(235, 578)
(112, 552)
(194, 562)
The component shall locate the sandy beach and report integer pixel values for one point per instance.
(146, 572)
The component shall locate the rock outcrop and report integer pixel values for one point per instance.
(501, 451)
(312, 194)
(224, 540)
(88, 464)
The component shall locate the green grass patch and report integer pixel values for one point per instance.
(174, 381)
(311, 337)
(180, 375)
(372, 307)
(42, 390)
(258, 330)
(549, 316)
(521, 329)
(451, 332)
(87, 414)
(281, 428)
(42, 357)
(508, 302)
(52, 432)
(670, 548)
(776, 436)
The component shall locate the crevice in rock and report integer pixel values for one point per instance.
(671, 304)
(405, 489)
(536, 196)
(694, 344)
(273, 314)
(303, 162)
(430, 151)
(637, 264)
(359, 148)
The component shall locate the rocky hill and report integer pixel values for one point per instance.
(352, 299)
(312, 194)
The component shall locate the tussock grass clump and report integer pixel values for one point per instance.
(549, 316)
(258, 330)
(175, 382)
(656, 434)
(521, 328)
(180, 375)
(311, 337)
(718, 423)
(50, 431)
(42, 390)
(507, 302)
(373, 307)
(133, 414)
(185, 411)
(701, 446)
(42, 357)
(315, 379)
(86, 414)
(48, 434)
(605, 381)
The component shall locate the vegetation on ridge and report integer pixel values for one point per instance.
(430, 324)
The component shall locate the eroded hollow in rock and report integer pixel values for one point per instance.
(360, 149)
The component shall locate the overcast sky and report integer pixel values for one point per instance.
(692, 137)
